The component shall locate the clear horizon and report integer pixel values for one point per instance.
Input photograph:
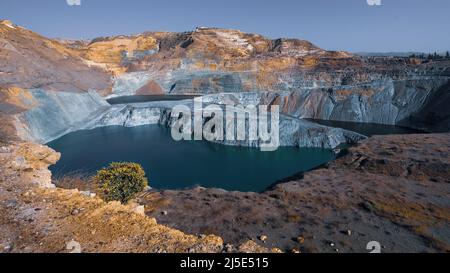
(351, 25)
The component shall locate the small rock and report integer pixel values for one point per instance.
(88, 194)
(73, 246)
(301, 239)
(349, 232)
(263, 238)
(5, 149)
(332, 244)
(7, 248)
(164, 212)
(337, 250)
(140, 210)
(295, 250)
(367, 206)
(228, 248)
(11, 204)
(276, 250)
(75, 212)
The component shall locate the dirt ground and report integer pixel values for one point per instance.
(390, 189)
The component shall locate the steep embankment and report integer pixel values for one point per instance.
(293, 131)
(45, 87)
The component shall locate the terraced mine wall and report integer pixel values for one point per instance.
(418, 103)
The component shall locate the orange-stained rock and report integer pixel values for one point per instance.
(151, 88)
(28, 60)
(110, 52)
(15, 100)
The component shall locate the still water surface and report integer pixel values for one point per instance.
(177, 165)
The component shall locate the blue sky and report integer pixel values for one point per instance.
(352, 25)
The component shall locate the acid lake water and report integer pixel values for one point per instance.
(148, 98)
(178, 165)
(368, 129)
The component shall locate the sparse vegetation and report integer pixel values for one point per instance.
(436, 56)
(293, 218)
(121, 181)
(431, 56)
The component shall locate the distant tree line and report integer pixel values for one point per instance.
(431, 56)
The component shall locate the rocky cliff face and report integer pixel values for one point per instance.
(59, 113)
(293, 131)
(309, 82)
(63, 79)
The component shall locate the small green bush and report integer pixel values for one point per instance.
(121, 181)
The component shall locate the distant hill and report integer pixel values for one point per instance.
(396, 54)
(388, 54)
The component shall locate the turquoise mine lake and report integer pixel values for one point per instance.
(177, 165)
